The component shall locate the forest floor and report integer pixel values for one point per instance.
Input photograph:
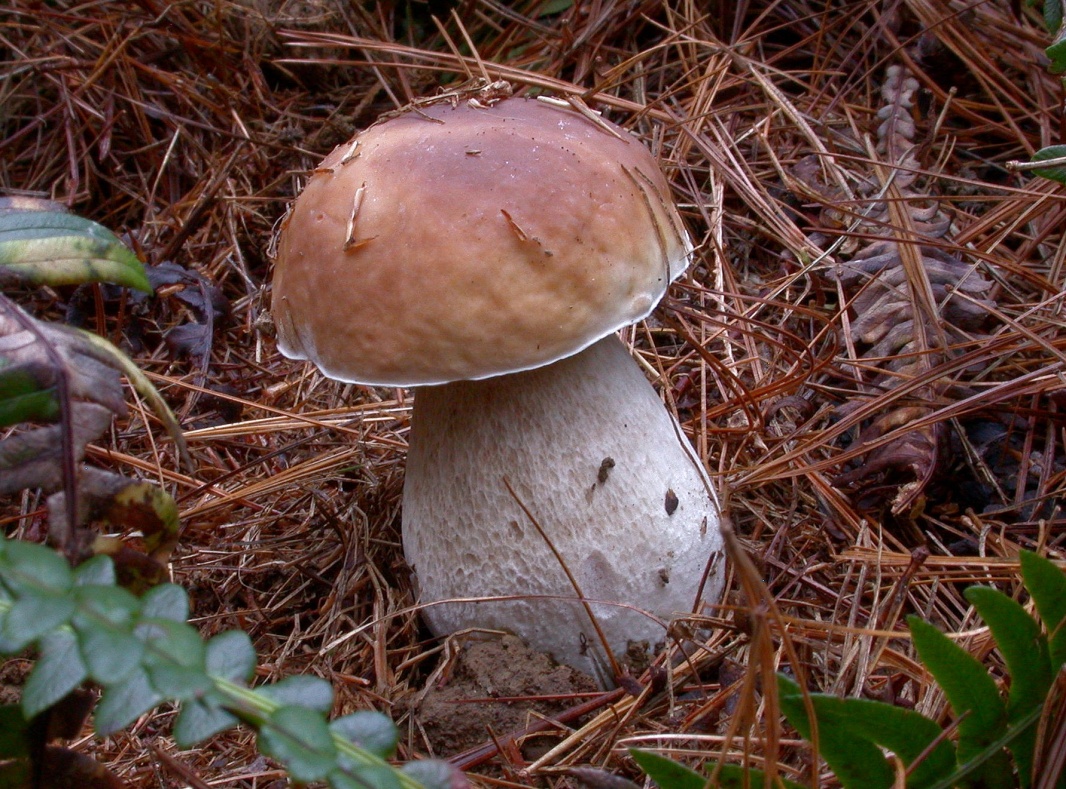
(867, 354)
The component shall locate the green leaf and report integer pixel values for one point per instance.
(1056, 52)
(175, 658)
(303, 691)
(1055, 173)
(166, 601)
(198, 720)
(969, 774)
(371, 731)
(33, 615)
(435, 774)
(103, 623)
(1052, 15)
(1025, 651)
(27, 567)
(855, 759)
(110, 605)
(1023, 646)
(125, 701)
(14, 743)
(299, 737)
(733, 776)
(376, 776)
(58, 671)
(551, 7)
(5, 647)
(97, 571)
(53, 248)
(973, 696)
(967, 685)
(904, 732)
(24, 398)
(178, 682)
(178, 642)
(110, 653)
(1047, 584)
(231, 656)
(667, 773)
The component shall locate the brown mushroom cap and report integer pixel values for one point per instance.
(464, 241)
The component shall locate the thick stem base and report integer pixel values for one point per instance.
(588, 449)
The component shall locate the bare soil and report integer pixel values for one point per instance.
(492, 687)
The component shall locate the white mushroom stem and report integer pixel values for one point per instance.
(588, 448)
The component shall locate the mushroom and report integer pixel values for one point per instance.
(485, 250)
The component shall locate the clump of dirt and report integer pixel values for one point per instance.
(13, 675)
(496, 686)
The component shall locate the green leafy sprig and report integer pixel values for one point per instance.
(1050, 162)
(996, 737)
(142, 652)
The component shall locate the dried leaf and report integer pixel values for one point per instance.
(910, 300)
(191, 339)
(34, 352)
(113, 503)
(34, 355)
(33, 459)
(190, 287)
(67, 769)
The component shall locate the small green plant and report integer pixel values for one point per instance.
(1054, 22)
(95, 612)
(997, 741)
(1050, 162)
(141, 652)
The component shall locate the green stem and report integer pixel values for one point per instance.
(107, 353)
(256, 709)
(993, 748)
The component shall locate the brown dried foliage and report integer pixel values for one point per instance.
(187, 126)
(913, 303)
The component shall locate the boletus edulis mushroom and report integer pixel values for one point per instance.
(484, 250)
